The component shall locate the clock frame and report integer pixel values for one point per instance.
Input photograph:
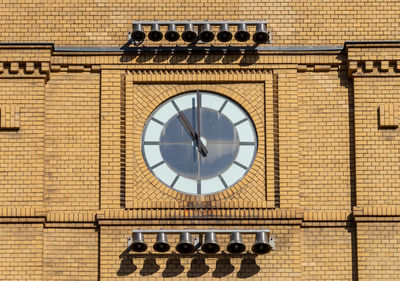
(142, 98)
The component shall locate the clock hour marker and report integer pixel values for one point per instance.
(158, 121)
(240, 122)
(240, 165)
(174, 181)
(223, 181)
(151, 143)
(223, 106)
(246, 143)
(156, 165)
(198, 186)
(176, 106)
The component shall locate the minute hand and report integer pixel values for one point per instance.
(203, 150)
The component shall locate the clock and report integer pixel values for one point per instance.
(199, 143)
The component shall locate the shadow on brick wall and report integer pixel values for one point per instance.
(198, 265)
(244, 56)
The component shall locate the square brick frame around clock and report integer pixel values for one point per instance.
(253, 91)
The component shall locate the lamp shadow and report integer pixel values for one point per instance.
(248, 267)
(126, 267)
(223, 267)
(198, 266)
(150, 266)
(173, 267)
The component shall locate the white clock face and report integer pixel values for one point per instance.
(199, 143)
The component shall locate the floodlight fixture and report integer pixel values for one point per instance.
(242, 35)
(200, 31)
(189, 34)
(261, 245)
(210, 245)
(161, 244)
(172, 34)
(138, 244)
(261, 35)
(186, 244)
(155, 34)
(236, 245)
(206, 34)
(224, 35)
(138, 34)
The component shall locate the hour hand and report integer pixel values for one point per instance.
(203, 150)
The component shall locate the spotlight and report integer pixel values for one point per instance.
(138, 244)
(224, 35)
(189, 34)
(172, 35)
(155, 34)
(242, 35)
(210, 245)
(161, 244)
(261, 35)
(236, 245)
(185, 245)
(206, 34)
(261, 246)
(138, 34)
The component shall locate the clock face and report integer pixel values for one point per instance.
(199, 143)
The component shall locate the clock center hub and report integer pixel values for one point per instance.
(203, 140)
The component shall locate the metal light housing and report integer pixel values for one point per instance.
(224, 35)
(206, 34)
(210, 245)
(261, 35)
(161, 244)
(189, 34)
(172, 34)
(155, 34)
(138, 34)
(138, 244)
(185, 245)
(261, 246)
(242, 35)
(236, 245)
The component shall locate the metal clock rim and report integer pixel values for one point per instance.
(148, 119)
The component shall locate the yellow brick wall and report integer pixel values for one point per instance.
(326, 253)
(324, 141)
(377, 153)
(70, 254)
(378, 247)
(65, 212)
(111, 139)
(21, 161)
(288, 118)
(106, 23)
(21, 251)
(72, 142)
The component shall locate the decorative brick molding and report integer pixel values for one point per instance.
(9, 117)
(373, 59)
(388, 116)
(319, 67)
(377, 213)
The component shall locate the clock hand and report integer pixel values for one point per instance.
(202, 149)
(190, 129)
(193, 133)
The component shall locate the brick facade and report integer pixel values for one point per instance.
(325, 181)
